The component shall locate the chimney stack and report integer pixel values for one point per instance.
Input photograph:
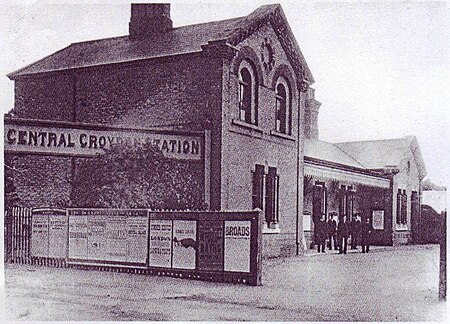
(311, 115)
(148, 19)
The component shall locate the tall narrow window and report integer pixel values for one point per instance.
(399, 207)
(245, 95)
(248, 93)
(404, 208)
(281, 108)
(320, 201)
(283, 114)
(265, 193)
(258, 187)
(272, 189)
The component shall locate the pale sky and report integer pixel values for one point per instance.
(382, 68)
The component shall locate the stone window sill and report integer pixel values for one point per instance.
(282, 135)
(273, 228)
(243, 128)
(247, 125)
(400, 227)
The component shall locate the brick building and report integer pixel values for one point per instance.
(239, 81)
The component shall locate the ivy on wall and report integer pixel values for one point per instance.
(137, 177)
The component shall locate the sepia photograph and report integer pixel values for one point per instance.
(225, 161)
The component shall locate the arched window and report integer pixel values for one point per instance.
(283, 107)
(247, 94)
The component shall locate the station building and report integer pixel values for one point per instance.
(240, 82)
(379, 180)
(402, 161)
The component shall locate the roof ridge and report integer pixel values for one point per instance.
(377, 140)
(352, 157)
(175, 28)
(338, 148)
(98, 40)
(9, 75)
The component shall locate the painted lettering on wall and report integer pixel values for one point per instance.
(87, 142)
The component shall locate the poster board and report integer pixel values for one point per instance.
(184, 251)
(224, 246)
(237, 246)
(210, 245)
(160, 243)
(57, 236)
(39, 236)
(78, 237)
(307, 222)
(378, 219)
(108, 236)
(49, 233)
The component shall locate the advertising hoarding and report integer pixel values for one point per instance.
(78, 233)
(210, 245)
(160, 249)
(39, 236)
(57, 236)
(184, 244)
(237, 246)
(378, 219)
(137, 230)
(108, 235)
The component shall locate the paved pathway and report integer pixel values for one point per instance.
(388, 284)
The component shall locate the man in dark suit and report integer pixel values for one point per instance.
(342, 235)
(366, 232)
(321, 234)
(355, 231)
(331, 231)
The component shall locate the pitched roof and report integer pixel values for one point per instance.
(379, 154)
(180, 40)
(325, 151)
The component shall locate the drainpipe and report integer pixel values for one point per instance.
(298, 241)
(74, 120)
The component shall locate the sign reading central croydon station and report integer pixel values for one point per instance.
(86, 140)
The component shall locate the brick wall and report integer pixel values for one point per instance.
(48, 97)
(244, 147)
(152, 93)
(42, 181)
(145, 94)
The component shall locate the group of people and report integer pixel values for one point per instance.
(338, 233)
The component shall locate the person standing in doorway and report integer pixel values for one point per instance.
(366, 232)
(321, 230)
(355, 231)
(331, 231)
(342, 235)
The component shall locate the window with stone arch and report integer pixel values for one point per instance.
(248, 95)
(283, 107)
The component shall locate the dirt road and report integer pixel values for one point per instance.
(388, 284)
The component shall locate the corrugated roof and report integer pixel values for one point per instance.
(378, 154)
(180, 40)
(325, 151)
